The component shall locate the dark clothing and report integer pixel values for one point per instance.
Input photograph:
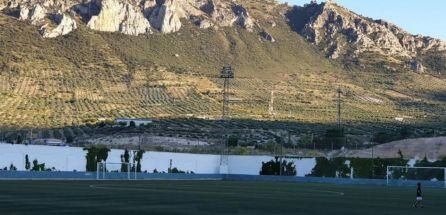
(419, 192)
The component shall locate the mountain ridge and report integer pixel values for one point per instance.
(86, 76)
(341, 33)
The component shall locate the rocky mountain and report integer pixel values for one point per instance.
(132, 17)
(73, 62)
(341, 33)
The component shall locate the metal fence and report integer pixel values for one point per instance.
(31, 175)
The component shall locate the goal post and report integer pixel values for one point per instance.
(408, 175)
(114, 171)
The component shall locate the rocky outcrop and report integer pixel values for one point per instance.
(2, 5)
(266, 36)
(205, 24)
(416, 66)
(41, 13)
(65, 24)
(341, 32)
(243, 18)
(119, 16)
(35, 14)
(132, 17)
(226, 14)
(166, 16)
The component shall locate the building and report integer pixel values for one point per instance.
(128, 121)
(49, 142)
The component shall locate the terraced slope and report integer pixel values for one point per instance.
(88, 76)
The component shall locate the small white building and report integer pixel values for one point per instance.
(138, 122)
(49, 142)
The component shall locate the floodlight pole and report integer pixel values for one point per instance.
(227, 73)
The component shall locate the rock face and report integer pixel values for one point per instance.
(166, 16)
(65, 25)
(226, 14)
(36, 14)
(43, 14)
(266, 36)
(132, 17)
(243, 17)
(416, 66)
(119, 16)
(343, 32)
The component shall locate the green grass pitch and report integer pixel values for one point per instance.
(210, 197)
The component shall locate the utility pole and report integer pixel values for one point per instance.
(271, 105)
(226, 74)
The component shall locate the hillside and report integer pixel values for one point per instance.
(431, 148)
(161, 69)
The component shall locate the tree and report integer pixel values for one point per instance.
(27, 163)
(19, 139)
(176, 170)
(102, 154)
(12, 168)
(335, 138)
(405, 132)
(37, 166)
(270, 146)
(277, 167)
(91, 159)
(132, 124)
(95, 155)
(125, 159)
(138, 158)
(69, 139)
(233, 141)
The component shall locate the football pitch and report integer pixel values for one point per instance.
(210, 197)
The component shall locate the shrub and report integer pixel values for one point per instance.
(278, 167)
(233, 141)
(95, 155)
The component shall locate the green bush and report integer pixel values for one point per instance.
(278, 167)
(233, 141)
(363, 167)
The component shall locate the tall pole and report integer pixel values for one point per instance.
(225, 111)
(226, 74)
(373, 164)
(271, 105)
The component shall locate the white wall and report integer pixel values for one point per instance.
(73, 158)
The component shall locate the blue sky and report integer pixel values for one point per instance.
(426, 17)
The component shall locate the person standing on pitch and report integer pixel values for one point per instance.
(419, 200)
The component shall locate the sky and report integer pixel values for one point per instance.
(426, 17)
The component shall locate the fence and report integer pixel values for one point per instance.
(30, 175)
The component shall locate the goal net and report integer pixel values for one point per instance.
(406, 175)
(114, 171)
